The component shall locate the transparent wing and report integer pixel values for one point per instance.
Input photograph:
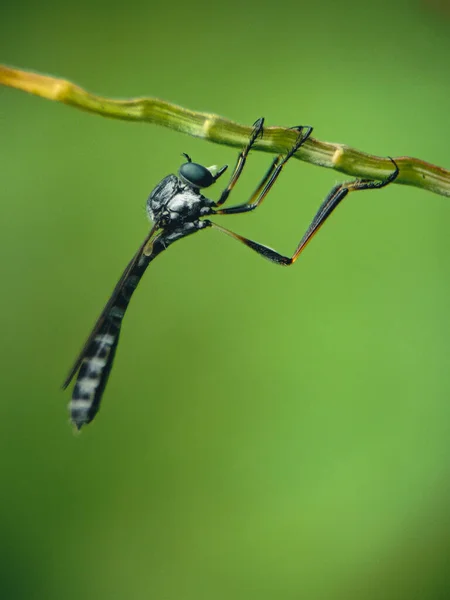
(109, 305)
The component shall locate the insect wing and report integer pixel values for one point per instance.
(97, 330)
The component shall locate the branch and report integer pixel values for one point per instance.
(214, 128)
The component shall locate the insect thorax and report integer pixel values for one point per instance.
(173, 202)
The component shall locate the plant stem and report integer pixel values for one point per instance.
(214, 128)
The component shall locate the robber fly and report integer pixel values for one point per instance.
(177, 209)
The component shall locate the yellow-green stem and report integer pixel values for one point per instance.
(214, 128)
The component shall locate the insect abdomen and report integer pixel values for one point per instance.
(93, 375)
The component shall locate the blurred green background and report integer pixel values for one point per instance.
(266, 433)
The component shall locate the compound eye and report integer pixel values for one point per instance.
(196, 175)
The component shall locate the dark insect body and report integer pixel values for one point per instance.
(178, 209)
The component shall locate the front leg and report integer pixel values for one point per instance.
(270, 177)
(256, 132)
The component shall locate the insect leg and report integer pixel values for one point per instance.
(333, 199)
(270, 177)
(256, 132)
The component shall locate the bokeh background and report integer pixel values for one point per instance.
(266, 433)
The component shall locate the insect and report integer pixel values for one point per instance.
(178, 209)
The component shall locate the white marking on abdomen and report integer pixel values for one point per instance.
(117, 311)
(106, 339)
(87, 385)
(80, 404)
(96, 363)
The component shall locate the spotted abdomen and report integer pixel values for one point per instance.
(93, 375)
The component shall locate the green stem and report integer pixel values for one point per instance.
(214, 128)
